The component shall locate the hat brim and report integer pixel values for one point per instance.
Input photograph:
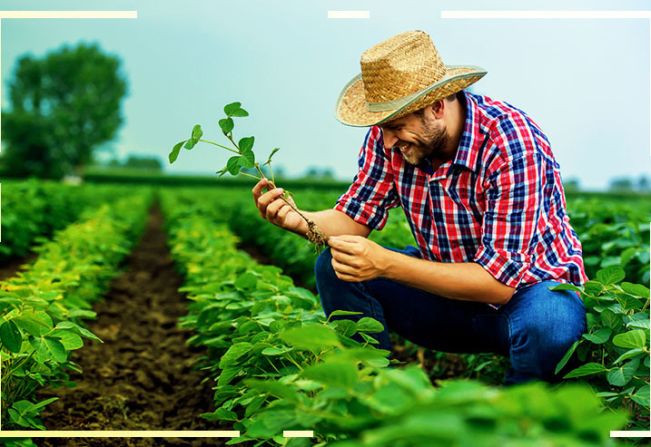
(352, 108)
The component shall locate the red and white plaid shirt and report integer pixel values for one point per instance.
(499, 202)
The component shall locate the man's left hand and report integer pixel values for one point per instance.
(355, 258)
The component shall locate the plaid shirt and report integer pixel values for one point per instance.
(499, 202)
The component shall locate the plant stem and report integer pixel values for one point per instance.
(249, 175)
(220, 145)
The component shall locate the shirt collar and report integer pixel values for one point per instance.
(472, 137)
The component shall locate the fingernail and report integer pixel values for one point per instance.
(280, 190)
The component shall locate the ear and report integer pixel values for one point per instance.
(438, 108)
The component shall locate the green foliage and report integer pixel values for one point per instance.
(34, 209)
(279, 365)
(244, 158)
(615, 348)
(62, 107)
(42, 308)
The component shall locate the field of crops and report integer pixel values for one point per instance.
(142, 308)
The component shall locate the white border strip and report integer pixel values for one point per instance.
(630, 434)
(119, 434)
(68, 14)
(298, 434)
(477, 14)
(349, 14)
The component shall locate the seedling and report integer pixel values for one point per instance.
(245, 159)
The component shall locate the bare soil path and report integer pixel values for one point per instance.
(142, 376)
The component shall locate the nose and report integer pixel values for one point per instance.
(389, 137)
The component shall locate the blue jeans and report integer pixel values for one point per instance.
(535, 328)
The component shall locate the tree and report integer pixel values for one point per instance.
(151, 163)
(61, 107)
(621, 184)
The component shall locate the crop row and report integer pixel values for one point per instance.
(280, 365)
(43, 307)
(33, 209)
(614, 352)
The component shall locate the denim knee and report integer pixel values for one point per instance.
(543, 326)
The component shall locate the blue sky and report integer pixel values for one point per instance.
(586, 82)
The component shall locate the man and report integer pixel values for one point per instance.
(482, 192)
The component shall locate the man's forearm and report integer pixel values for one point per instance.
(333, 223)
(460, 280)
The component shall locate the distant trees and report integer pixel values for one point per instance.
(151, 163)
(319, 173)
(628, 184)
(61, 107)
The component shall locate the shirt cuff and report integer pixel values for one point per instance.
(372, 216)
(506, 267)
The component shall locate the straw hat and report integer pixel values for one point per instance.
(399, 76)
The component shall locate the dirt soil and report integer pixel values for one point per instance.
(11, 266)
(142, 376)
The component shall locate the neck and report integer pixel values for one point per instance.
(455, 126)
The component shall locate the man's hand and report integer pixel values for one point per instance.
(275, 209)
(355, 258)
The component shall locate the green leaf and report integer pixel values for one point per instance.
(343, 313)
(274, 351)
(566, 357)
(622, 375)
(47, 348)
(190, 143)
(233, 165)
(629, 355)
(274, 388)
(593, 288)
(368, 324)
(226, 125)
(600, 336)
(635, 289)
(642, 396)
(586, 370)
(566, 286)
(246, 281)
(276, 149)
(246, 144)
(69, 339)
(10, 336)
(174, 154)
(197, 133)
(610, 318)
(611, 275)
(247, 160)
(637, 338)
(333, 374)
(234, 353)
(35, 323)
(235, 109)
(310, 336)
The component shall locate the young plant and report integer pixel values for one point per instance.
(245, 159)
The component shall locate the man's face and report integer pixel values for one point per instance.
(417, 136)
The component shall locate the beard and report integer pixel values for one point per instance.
(431, 144)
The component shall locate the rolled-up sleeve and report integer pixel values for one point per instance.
(372, 192)
(514, 203)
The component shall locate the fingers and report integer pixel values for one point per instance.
(274, 210)
(346, 245)
(258, 188)
(267, 198)
(344, 272)
(345, 258)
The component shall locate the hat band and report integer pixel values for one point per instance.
(391, 105)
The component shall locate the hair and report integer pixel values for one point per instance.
(453, 97)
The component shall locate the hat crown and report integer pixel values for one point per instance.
(400, 66)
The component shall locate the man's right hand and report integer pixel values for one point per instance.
(275, 209)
